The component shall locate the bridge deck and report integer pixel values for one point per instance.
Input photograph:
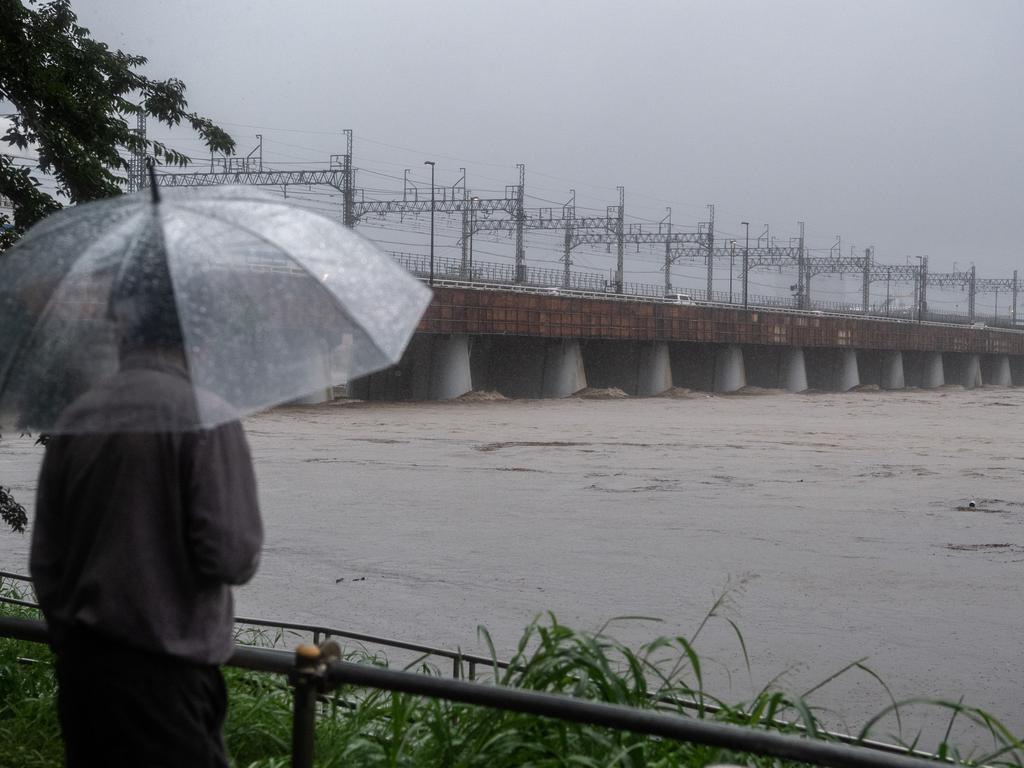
(471, 311)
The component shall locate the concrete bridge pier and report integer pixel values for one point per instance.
(637, 368)
(730, 374)
(796, 369)
(775, 367)
(963, 369)
(654, 369)
(1017, 370)
(892, 370)
(847, 373)
(833, 370)
(934, 373)
(523, 366)
(995, 370)
(563, 372)
(881, 367)
(924, 369)
(396, 382)
(318, 369)
(441, 368)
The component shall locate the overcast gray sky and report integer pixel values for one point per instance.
(896, 124)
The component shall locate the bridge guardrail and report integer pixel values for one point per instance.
(451, 271)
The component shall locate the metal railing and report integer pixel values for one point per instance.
(312, 670)
(484, 273)
(319, 634)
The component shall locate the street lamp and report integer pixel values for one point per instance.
(746, 261)
(474, 202)
(732, 260)
(431, 164)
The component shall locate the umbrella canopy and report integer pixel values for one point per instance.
(261, 301)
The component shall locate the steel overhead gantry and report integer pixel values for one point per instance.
(613, 230)
(810, 266)
(339, 175)
(137, 162)
(701, 245)
(890, 273)
(577, 229)
(476, 212)
(610, 230)
(994, 285)
(582, 230)
(594, 230)
(778, 257)
(917, 274)
(968, 281)
(331, 177)
(867, 267)
(958, 279)
(692, 245)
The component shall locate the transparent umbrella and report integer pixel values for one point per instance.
(256, 300)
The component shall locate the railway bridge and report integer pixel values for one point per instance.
(546, 342)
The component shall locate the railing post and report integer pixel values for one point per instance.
(305, 681)
(308, 679)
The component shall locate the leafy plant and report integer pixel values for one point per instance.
(11, 512)
(73, 98)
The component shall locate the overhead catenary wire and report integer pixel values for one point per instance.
(545, 246)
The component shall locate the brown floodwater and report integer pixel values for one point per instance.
(839, 525)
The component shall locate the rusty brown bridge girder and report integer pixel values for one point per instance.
(479, 312)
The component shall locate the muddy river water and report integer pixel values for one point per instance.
(840, 524)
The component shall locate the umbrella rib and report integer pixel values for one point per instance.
(303, 267)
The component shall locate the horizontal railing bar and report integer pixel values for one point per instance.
(22, 603)
(619, 717)
(722, 735)
(256, 659)
(311, 628)
(453, 655)
(263, 660)
(33, 630)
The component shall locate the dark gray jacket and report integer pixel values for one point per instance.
(138, 535)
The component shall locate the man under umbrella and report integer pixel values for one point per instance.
(226, 301)
(139, 533)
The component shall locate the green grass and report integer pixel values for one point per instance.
(376, 728)
(29, 733)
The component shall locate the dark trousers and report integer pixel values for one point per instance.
(120, 706)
